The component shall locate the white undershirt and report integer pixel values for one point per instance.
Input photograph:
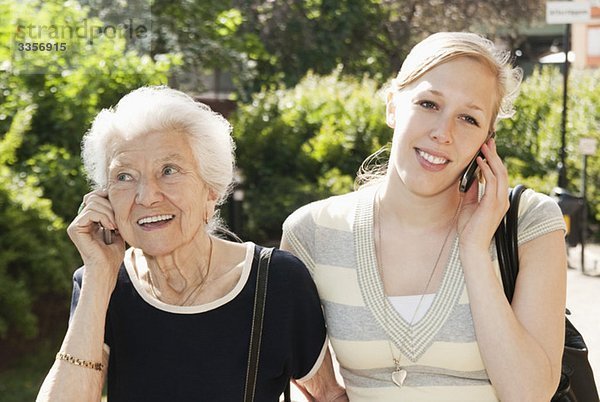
(406, 306)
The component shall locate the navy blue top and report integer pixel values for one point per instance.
(158, 355)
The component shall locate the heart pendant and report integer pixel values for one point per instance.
(398, 377)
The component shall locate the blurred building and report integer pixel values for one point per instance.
(544, 43)
(212, 87)
(585, 40)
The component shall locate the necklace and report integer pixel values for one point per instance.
(399, 374)
(195, 288)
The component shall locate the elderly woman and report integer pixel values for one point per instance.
(170, 317)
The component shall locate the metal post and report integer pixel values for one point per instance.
(562, 169)
(583, 211)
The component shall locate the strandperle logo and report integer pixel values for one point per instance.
(86, 30)
(37, 45)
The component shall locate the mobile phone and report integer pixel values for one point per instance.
(467, 178)
(470, 172)
(107, 235)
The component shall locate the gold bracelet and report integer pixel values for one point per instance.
(78, 362)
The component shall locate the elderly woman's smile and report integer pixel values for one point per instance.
(151, 222)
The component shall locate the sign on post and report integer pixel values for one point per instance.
(567, 12)
(587, 146)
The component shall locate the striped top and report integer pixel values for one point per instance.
(334, 238)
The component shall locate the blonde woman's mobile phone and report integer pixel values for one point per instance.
(470, 174)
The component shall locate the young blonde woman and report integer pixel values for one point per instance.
(406, 268)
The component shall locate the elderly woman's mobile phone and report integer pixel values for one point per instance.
(107, 235)
(470, 173)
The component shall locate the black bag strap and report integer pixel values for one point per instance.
(511, 228)
(260, 298)
(507, 243)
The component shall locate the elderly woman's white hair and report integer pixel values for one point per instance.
(159, 108)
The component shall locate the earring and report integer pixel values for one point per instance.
(205, 217)
(391, 119)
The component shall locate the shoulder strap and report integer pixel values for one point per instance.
(507, 243)
(511, 227)
(260, 297)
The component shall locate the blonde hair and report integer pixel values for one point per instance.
(159, 108)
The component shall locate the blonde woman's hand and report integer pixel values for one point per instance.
(478, 219)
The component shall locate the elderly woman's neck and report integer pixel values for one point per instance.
(191, 260)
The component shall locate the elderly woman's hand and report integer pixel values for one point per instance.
(86, 232)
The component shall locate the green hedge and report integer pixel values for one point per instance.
(36, 257)
(301, 144)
